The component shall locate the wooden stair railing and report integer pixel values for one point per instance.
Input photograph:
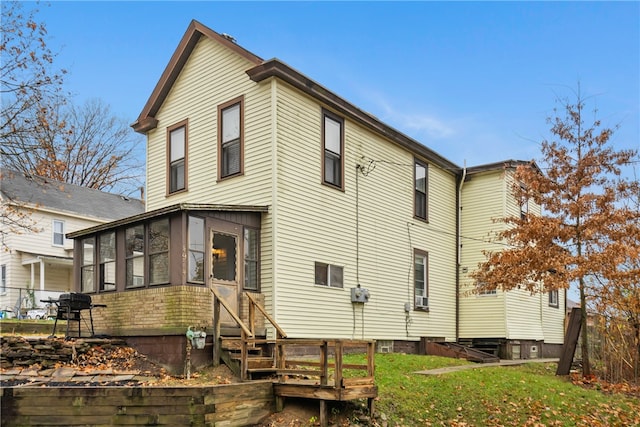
(247, 331)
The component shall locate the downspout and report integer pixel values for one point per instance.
(274, 198)
(458, 247)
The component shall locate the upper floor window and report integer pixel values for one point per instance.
(420, 199)
(58, 232)
(230, 138)
(177, 157)
(251, 258)
(554, 298)
(87, 262)
(107, 275)
(329, 275)
(421, 280)
(524, 208)
(333, 150)
(196, 250)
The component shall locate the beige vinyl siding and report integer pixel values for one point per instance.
(318, 223)
(212, 76)
(515, 314)
(553, 318)
(481, 316)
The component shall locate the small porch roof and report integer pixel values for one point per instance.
(164, 211)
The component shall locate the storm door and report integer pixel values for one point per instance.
(224, 271)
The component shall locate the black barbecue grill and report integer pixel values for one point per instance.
(70, 307)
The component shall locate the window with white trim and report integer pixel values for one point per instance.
(58, 233)
(328, 275)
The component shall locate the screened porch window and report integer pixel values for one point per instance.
(88, 262)
(251, 259)
(108, 261)
(134, 256)
(196, 250)
(159, 252)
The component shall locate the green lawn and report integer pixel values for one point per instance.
(525, 395)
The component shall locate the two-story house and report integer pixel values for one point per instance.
(262, 181)
(36, 258)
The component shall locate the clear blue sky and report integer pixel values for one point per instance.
(473, 81)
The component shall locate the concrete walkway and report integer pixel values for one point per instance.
(484, 365)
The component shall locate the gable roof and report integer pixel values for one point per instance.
(146, 120)
(45, 193)
(273, 68)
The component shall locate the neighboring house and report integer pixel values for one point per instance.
(36, 262)
(261, 181)
(516, 323)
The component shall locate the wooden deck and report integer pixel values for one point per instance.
(320, 374)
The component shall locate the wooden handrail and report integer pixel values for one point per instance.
(280, 331)
(235, 317)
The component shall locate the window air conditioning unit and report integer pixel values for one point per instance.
(138, 281)
(422, 301)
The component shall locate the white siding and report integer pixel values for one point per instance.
(23, 250)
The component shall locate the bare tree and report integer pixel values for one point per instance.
(28, 80)
(89, 147)
(578, 237)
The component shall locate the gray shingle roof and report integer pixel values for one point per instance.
(59, 196)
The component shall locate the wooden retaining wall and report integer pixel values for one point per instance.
(221, 405)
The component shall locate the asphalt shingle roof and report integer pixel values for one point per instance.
(55, 195)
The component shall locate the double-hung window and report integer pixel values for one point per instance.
(333, 150)
(58, 232)
(230, 138)
(421, 280)
(177, 157)
(420, 199)
(329, 275)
